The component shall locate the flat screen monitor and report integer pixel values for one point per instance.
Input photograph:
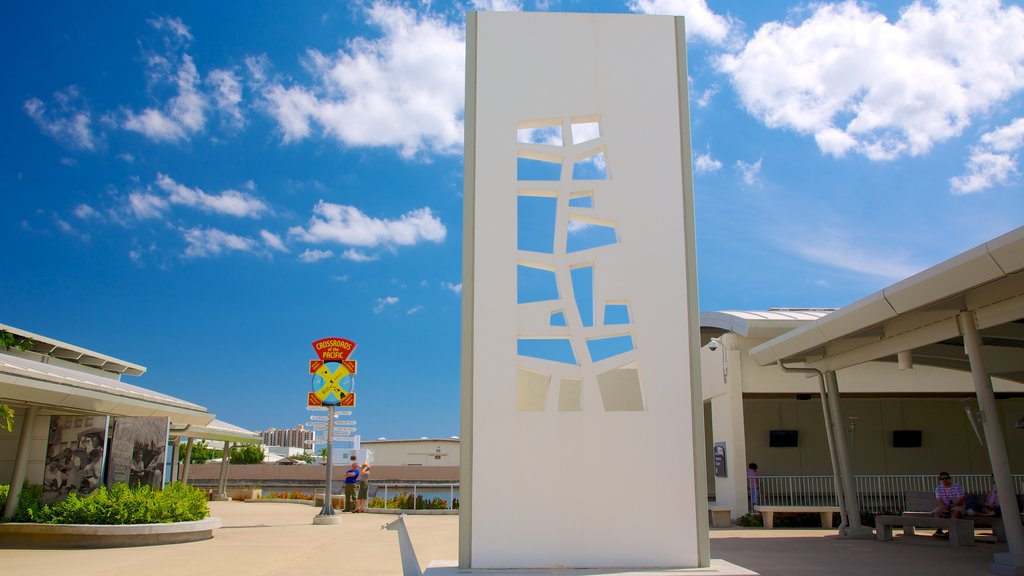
(906, 438)
(783, 439)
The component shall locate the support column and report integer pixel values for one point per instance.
(854, 529)
(20, 461)
(1011, 563)
(188, 460)
(222, 485)
(830, 435)
(174, 459)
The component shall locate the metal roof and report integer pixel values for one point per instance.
(26, 380)
(760, 323)
(52, 347)
(217, 430)
(920, 314)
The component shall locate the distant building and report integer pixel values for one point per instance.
(297, 437)
(414, 452)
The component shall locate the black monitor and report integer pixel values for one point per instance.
(783, 439)
(906, 438)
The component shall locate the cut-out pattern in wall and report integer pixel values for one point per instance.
(575, 340)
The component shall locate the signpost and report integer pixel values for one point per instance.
(333, 385)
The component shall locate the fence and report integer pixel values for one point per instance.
(387, 491)
(875, 493)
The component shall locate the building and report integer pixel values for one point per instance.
(56, 378)
(297, 437)
(414, 452)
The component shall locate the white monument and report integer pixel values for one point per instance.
(582, 422)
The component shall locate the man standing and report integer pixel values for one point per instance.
(949, 499)
(351, 477)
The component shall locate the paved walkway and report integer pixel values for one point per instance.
(280, 540)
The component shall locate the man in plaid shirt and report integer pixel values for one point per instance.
(949, 499)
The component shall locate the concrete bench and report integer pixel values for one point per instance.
(961, 531)
(719, 516)
(920, 505)
(768, 513)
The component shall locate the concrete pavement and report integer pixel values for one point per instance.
(280, 540)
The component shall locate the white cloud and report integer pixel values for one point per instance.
(704, 98)
(414, 310)
(174, 25)
(154, 125)
(497, 5)
(231, 202)
(227, 96)
(310, 256)
(85, 212)
(145, 205)
(750, 173)
(991, 162)
(833, 249)
(358, 256)
(882, 89)
(405, 89)
(701, 21)
(383, 303)
(213, 242)
(705, 163)
(70, 123)
(273, 241)
(456, 288)
(348, 225)
(984, 170)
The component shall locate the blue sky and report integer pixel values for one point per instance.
(206, 188)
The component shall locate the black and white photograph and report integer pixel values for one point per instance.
(74, 461)
(137, 452)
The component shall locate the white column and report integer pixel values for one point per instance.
(222, 486)
(188, 460)
(1012, 562)
(174, 459)
(20, 460)
(855, 528)
(837, 479)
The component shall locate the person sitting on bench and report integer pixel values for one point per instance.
(949, 499)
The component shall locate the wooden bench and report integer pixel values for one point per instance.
(768, 513)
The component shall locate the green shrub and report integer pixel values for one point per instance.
(405, 501)
(119, 505)
(750, 521)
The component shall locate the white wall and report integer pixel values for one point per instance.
(433, 452)
(549, 483)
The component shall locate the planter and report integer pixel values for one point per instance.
(244, 493)
(29, 535)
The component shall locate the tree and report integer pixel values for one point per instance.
(8, 341)
(201, 452)
(247, 454)
(307, 458)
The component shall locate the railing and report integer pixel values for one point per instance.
(874, 493)
(387, 491)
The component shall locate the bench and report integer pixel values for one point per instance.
(719, 516)
(768, 513)
(961, 531)
(920, 504)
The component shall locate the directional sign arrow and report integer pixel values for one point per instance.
(344, 422)
(318, 417)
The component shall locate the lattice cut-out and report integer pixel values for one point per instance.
(531, 390)
(553, 349)
(535, 223)
(585, 129)
(583, 293)
(587, 233)
(616, 313)
(604, 348)
(535, 284)
(620, 389)
(558, 319)
(570, 395)
(584, 199)
(591, 167)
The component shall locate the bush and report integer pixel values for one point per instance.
(750, 521)
(29, 502)
(405, 501)
(289, 496)
(119, 505)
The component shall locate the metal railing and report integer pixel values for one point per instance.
(387, 491)
(875, 493)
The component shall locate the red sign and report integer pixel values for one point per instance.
(315, 365)
(313, 400)
(333, 349)
(349, 400)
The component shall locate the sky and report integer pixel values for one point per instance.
(206, 188)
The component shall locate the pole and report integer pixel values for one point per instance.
(1012, 562)
(328, 509)
(854, 528)
(28, 422)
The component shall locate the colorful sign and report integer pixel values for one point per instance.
(333, 373)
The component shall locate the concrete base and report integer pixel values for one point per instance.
(27, 535)
(717, 568)
(321, 520)
(220, 498)
(1006, 564)
(862, 532)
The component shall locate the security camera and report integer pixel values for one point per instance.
(713, 345)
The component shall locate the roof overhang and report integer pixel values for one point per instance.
(217, 430)
(920, 314)
(24, 381)
(47, 346)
